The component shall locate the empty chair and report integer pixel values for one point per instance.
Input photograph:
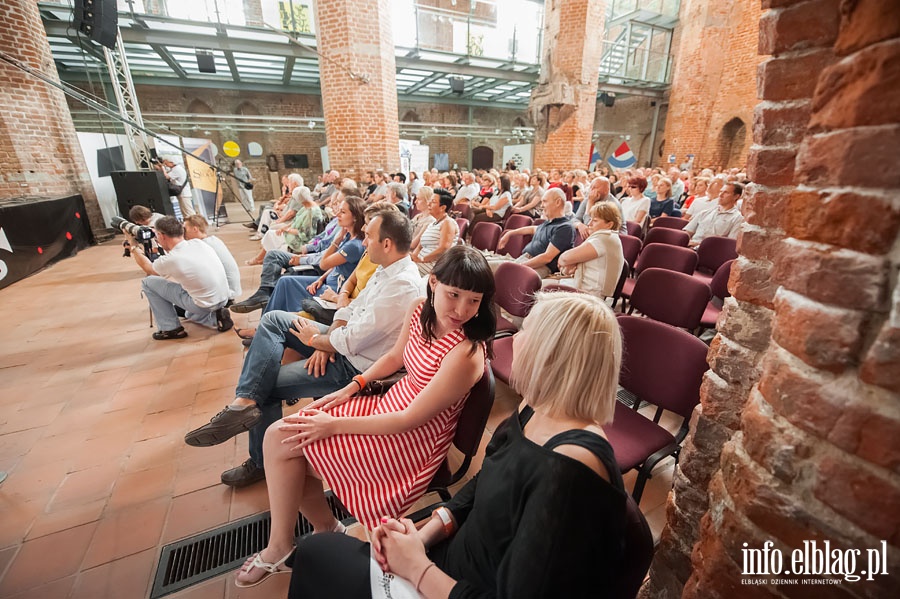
(661, 255)
(463, 225)
(516, 285)
(485, 236)
(517, 221)
(712, 253)
(634, 229)
(515, 245)
(671, 297)
(669, 222)
(719, 288)
(664, 366)
(631, 247)
(668, 236)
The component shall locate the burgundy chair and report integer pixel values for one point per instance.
(516, 285)
(712, 253)
(719, 287)
(514, 245)
(671, 297)
(669, 222)
(463, 225)
(539, 221)
(631, 247)
(485, 236)
(664, 366)
(465, 211)
(517, 221)
(501, 364)
(668, 236)
(617, 294)
(634, 229)
(661, 255)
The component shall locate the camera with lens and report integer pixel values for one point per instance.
(141, 234)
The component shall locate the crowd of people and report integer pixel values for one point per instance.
(359, 282)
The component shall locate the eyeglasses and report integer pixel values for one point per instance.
(632, 186)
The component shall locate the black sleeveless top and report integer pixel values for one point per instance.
(535, 522)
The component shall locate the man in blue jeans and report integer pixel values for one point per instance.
(361, 333)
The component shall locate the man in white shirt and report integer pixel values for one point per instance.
(361, 333)
(724, 221)
(195, 228)
(190, 276)
(701, 202)
(177, 177)
(469, 191)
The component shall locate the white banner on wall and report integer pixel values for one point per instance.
(326, 165)
(413, 157)
(520, 154)
(103, 186)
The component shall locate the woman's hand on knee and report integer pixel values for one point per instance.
(309, 425)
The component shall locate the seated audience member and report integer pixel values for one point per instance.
(723, 221)
(294, 236)
(530, 198)
(596, 264)
(493, 209)
(423, 217)
(361, 333)
(488, 187)
(381, 191)
(141, 215)
(397, 195)
(415, 183)
(439, 236)
(598, 191)
(338, 261)
(280, 216)
(331, 180)
(469, 191)
(195, 228)
(516, 529)
(378, 454)
(555, 235)
(635, 205)
(700, 201)
(663, 204)
(190, 276)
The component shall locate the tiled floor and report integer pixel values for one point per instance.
(92, 415)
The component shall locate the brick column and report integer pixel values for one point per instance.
(360, 116)
(796, 434)
(39, 151)
(564, 102)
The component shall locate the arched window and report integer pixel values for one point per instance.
(731, 143)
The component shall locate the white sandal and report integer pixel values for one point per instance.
(269, 569)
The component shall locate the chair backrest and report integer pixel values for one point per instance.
(661, 364)
(637, 553)
(515, 245)
(634, 229)
(631, 247)
(668, 236)
(669, 222)
(465, 211)
(517, 221)
(475, 413)
(516, 285)
(671, 257)
(626, 268)
(670, 297)
(485, 236)
(538, 221)
(713, 252)
(463, 225)
(719, 283)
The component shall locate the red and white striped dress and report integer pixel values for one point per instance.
(383, 475)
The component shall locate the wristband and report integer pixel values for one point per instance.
(446, 520)
(312, 339)
(422, 576)
(343, 291)
(359, 380)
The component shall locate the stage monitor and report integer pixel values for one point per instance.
(142, 188)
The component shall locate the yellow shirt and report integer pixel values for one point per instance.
(364, 271)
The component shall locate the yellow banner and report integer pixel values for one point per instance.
(202, 175)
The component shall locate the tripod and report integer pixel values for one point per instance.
(223, 184)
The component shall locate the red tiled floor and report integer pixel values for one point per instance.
(127, 531)
(47, 558)
(58, 589)
(127, 577)
(197, 511)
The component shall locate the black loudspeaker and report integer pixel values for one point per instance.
(206, 62)
(99, 20)
(296, 161)
(457, 85)
(142, 188)
(608, 99)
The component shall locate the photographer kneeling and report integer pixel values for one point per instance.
(190, 276)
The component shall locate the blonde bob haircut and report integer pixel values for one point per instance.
(608, 212)
(570, 356)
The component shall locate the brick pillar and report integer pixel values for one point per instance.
(797, 428)
(39, 151)
(360, 117)
(564, 102)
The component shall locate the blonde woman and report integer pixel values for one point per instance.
(546, 467)
(423, 217)
(596, 264)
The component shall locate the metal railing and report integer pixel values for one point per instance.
(635, 64)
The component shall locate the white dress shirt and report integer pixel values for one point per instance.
(715, 222)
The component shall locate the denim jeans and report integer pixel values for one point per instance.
(164, 295)
(265, 381)
(273, 264)
(290, 292)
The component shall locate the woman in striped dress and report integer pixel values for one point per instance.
(378, 454)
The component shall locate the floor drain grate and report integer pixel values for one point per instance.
(190, 561)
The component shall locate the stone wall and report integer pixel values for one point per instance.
(796, 436)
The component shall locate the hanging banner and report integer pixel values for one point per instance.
(623, 157)
(202, 176)
(520, 154)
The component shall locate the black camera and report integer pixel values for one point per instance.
(142, 234)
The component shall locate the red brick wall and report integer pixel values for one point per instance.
(713, 80)
(796, 436)
(39, 150)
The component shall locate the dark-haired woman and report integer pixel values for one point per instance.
(492, 210)
(378, 454)
(339, 261)
(437, 237)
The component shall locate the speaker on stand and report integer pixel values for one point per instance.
(99, 20)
